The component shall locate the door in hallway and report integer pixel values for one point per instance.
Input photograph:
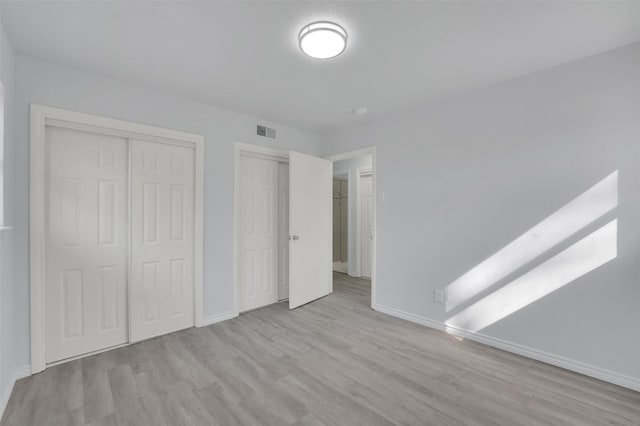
(367, 224)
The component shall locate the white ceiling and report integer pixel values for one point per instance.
(244, 55)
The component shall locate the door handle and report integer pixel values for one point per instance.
(294, 237)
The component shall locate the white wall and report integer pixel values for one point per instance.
(349, 168)
(465, 177)
(45, 83)
(462, 179)
(8, 334)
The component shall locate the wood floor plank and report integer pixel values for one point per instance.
(98, 400)
(332, 362)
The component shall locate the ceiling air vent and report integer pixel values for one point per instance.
(267, 132)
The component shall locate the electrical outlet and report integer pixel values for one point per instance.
(438, 295)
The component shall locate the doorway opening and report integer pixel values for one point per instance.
(354, 208)
(282, 227)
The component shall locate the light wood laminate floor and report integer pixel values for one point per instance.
(332, 362)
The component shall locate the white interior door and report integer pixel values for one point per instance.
(336, 221)
(283, 231)
(162, 238)
(258, 239)
(366, 184)
(86, 210)
(310, 226)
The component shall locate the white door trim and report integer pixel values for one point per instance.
(357, 153)
(252, 150)
(40, 116)
(362, 173)
(358, 219)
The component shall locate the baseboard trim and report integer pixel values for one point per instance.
(342, 267)
(20, 373)
(528, 352)
(218, 318)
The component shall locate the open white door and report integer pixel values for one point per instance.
(310, 228)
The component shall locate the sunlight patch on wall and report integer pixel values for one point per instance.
(591, 252)
(574, 216)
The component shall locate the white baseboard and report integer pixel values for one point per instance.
(340, 267)
(20, 373)
(546, 357)
(218, 318)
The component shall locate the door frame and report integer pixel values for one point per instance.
(40, 117)
(360, 173)
(357, 153)
(256, 150)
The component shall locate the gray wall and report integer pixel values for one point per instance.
(45, 83)
(349, 168)
(8, 334)
(465, 177)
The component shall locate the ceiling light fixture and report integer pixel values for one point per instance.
(322, 39)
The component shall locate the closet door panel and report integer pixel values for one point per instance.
(162, 238)
(85, 243)
(258, 273)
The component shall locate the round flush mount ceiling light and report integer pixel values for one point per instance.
(322, 39)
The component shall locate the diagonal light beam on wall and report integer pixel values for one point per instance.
(574, 216)
(591, 252)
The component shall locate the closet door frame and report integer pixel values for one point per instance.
(359, 213)
(42, 116)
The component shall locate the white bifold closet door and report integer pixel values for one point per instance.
(162, 239)
(86, 242)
